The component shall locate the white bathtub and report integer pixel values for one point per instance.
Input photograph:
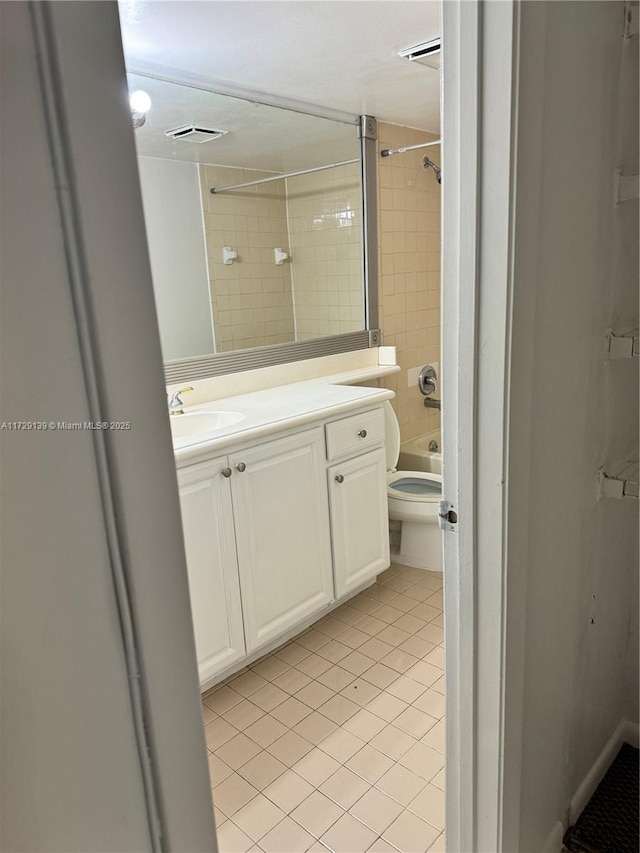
(416, 456)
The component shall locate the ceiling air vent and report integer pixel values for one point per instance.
(427, 53)
(195, 133)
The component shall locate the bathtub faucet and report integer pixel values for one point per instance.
(431, 403)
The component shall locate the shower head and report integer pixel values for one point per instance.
(429, 164)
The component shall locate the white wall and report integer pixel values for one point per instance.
(178, 255)
(576, 272)
(99, 681)
(56, 583)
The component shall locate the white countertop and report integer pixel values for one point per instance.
(274, 410)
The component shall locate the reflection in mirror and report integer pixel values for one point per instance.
(267, 263)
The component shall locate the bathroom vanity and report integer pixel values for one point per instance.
(284, 513)
(263, 247)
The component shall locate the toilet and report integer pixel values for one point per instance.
(413, 498)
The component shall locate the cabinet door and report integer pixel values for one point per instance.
(359, 519)
(281, 517)
(207, 522)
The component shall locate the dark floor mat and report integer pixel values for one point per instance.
(609, 822)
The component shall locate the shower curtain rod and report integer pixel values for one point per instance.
(387, 152)
(284, 175)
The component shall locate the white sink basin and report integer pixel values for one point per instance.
(193, 424)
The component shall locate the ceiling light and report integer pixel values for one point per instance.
(140, 104)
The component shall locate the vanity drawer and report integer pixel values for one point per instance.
(350, 435)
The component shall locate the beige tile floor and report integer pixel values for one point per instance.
(335, 741)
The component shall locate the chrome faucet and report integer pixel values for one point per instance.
(428, 380)
(176, 406)
(428, 384)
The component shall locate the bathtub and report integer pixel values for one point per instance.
(416, 456)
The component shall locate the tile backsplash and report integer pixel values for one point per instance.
(316, 220)
(251, 298)
(409, 263)
(324, 212)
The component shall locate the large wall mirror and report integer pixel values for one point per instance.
(256, 226)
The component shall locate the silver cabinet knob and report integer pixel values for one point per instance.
(241, 467)
(226, 472)
(363, 433)
(339, 479)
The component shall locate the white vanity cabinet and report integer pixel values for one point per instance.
(282, 534)
(278, 529)
(358, 499)
(214, 587)
(359, 520)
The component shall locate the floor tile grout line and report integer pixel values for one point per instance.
(248, 697)
(365, 738)
(339, 725)
(316, 626)
(318, 709)
(317, 788)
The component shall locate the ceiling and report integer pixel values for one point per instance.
(339, 55)
(259, 137)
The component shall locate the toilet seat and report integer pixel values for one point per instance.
(411, 486)
(412, 499)
(415, 486)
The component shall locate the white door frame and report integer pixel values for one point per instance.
(70, 87)
(480, 56)
(479, 100)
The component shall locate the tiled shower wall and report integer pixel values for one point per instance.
(326, 236)
(316, 219)
(409, 262)
(251, 298)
